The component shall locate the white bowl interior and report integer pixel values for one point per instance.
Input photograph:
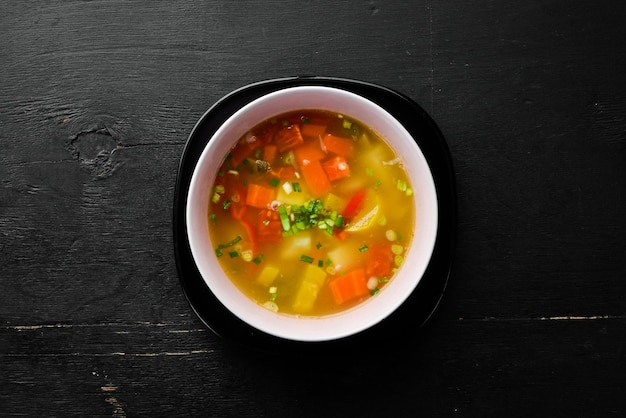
(363, 315)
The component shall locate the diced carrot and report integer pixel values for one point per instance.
(243, 150)
(288, 138)
(349, 286)
(269, 153)
(260, 196)
(315, 178)
(309, 151)
(269, 228)
(251, 235)
(238, 205)
(336, 168)
(311, 130)
(379, 261)
(284, 173)
(338, 145)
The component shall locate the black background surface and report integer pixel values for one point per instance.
(97, 99)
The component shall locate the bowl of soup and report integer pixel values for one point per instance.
(311, 214)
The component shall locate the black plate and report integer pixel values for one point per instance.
(422, 303)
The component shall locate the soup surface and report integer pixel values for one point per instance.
(311, 213)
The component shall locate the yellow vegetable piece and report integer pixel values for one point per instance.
(268, 275)
(334, 202)
(364, 222)
(306, 295)
(367, 215)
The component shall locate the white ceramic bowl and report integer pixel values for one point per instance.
(364, 315)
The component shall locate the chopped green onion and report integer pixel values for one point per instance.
(284, 218)
(226, 204)
(401, 185)
(285, 123)
(274, 181)
(339, 221)
(228, 244)
(220, 189)
(305, 120)
(397, 249)
(233, 254)
(218, 252)
(257, 153)
(296, 187)
(306, 259)
(409, 192)
(213, 218)
(246, 255)
(374, 292)
(320, 263)
(215, 198)
(347, 124)
(378, 183)
(398, 260)
(363, 248)
(318, 245)
(257, 260)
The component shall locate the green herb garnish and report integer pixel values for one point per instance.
(306, 259)
(220, 247)
(284, 218)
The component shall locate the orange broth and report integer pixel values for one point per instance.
(311, 213)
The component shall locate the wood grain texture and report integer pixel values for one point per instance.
(97, 99)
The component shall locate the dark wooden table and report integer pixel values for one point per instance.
(97, 100)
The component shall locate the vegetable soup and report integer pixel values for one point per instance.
(311, 213)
